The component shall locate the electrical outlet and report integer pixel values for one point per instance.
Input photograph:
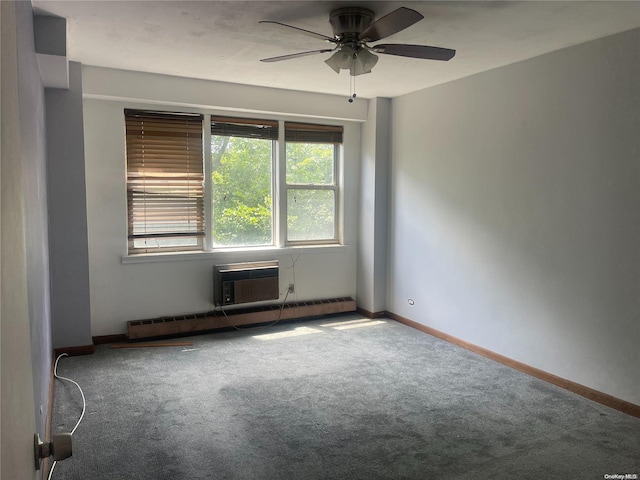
(292, 288)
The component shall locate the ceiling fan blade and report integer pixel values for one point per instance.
(415, 51)
(295, 55)
(389, 24)
(317, 35)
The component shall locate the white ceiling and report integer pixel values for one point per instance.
(222, 40)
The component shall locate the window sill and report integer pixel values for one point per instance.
(225, 253)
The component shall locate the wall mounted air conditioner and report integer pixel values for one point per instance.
(247, 282)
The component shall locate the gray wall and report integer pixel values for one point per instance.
(373, 202)
(70, 304)
(126, 287)
(31, 101)
(515, 219)
(25, 327)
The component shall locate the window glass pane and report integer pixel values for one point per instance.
(157, 243)
(241, 191)
(310, 163)
(310, 214)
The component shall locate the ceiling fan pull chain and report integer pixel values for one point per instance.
(352, 88)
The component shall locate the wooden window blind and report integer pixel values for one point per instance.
(165, 181)
(310, 133)
(244, 127)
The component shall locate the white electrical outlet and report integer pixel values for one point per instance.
(292, 288)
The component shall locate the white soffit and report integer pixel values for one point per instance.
(50, 37)
(54, 70)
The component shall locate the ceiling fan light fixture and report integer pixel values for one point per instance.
(343, 58)
(363, 63)
(357, 61)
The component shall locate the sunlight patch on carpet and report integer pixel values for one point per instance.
(359, 325)
(349, 322)
(292, 333)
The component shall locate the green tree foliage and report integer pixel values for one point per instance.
(310, 212)
(242, 198)
(241, 177)
(309, 163)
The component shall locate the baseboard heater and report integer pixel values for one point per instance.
(199, 322)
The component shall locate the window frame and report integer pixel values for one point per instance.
(163, 124)
(279, 187)
(334, 187)
(246, 121)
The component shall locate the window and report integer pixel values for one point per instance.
(242, 153)
(164, 182)
(271, 183)
(311, 161)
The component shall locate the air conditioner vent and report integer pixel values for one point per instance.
(238, 283)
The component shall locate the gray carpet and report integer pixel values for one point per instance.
(378, 400)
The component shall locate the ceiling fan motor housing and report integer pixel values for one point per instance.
(348, 22)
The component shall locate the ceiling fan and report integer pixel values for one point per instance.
(353, 28)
